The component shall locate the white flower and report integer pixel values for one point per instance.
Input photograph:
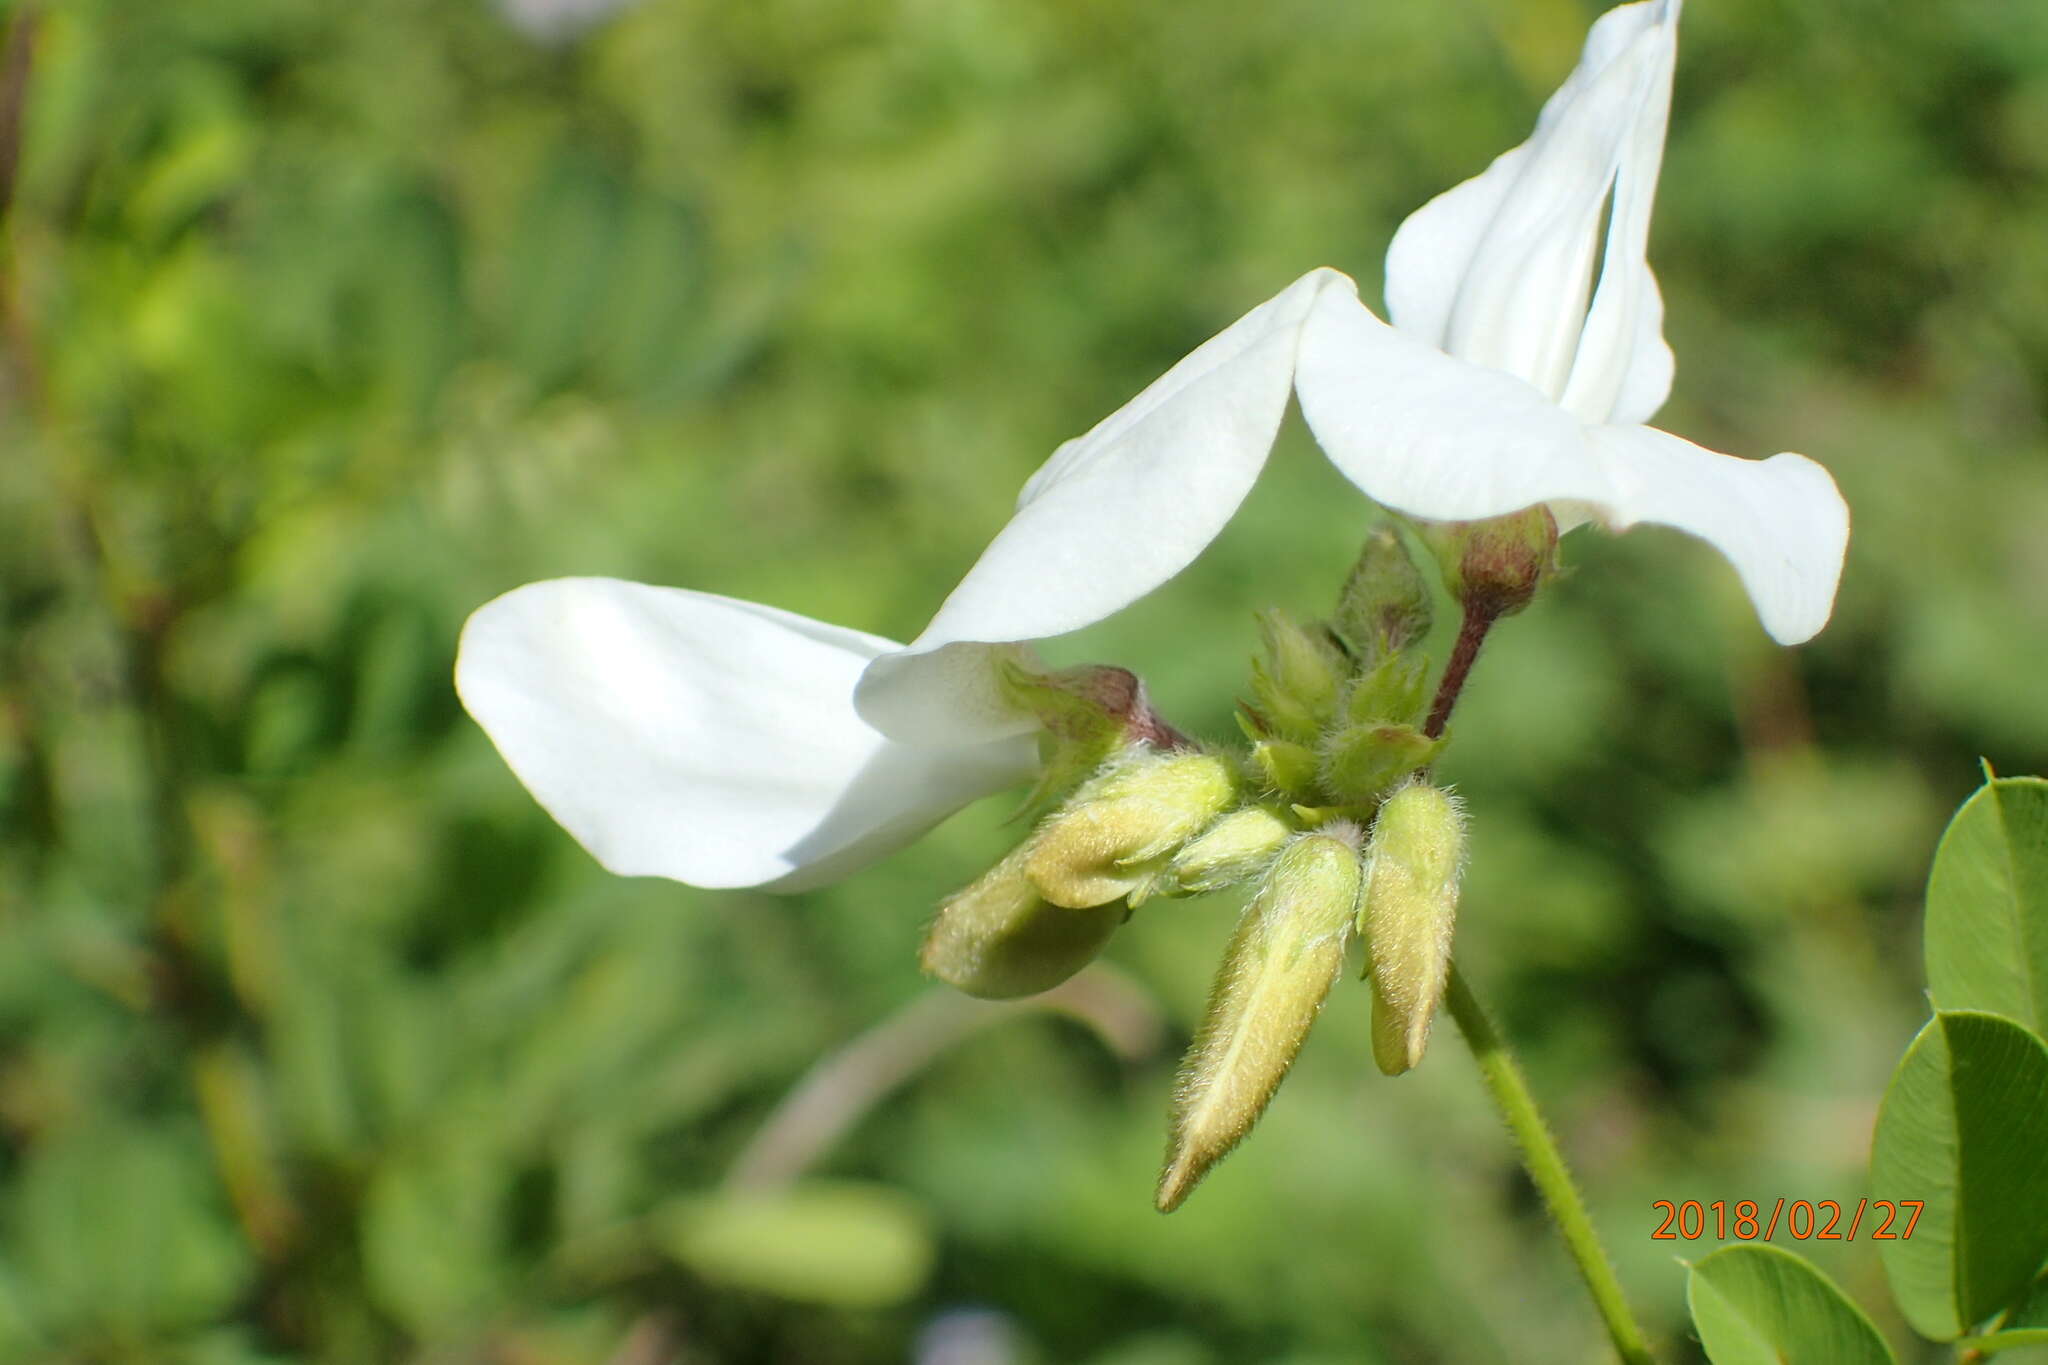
(727, 744)
(678, 734)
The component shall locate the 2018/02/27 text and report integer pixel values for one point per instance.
(1802, 1219)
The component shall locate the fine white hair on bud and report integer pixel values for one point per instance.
(1416, 859)
(1113, 837)
(999, 939)
(1298, 675)
(1384, 607)
(1286, 953)
(1234, 849)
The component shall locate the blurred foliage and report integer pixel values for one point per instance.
(324, 323)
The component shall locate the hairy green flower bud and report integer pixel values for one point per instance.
(1114, 835)
(1233, 849)
(1287, 768)
(1362, 761)
(1391, 692)
(1285, 954)
(1494, 567)
(1000, 939)
(1384, 607)
(1416, 858)
(1297, 675)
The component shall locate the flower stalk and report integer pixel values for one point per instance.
(1510, 1093)
(1471, 634)
(1509, 1089)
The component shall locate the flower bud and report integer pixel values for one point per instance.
(1114, 835)
(1231, 850)
(1362, 761)
(1384, 607)
(1286, 767)
(1495, 566)
(1285, 954)
(1297, 675)
(1411, 904)
(1000, 939)
(1392, 691)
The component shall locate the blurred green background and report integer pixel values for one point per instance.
(324, 323)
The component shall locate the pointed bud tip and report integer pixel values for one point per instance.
(1398, 1043)
(1298, 674)
(1287, 951)
(1384, 608)
(1178, 1180)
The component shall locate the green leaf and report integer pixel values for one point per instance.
(1758, 1305)
(2032, 1312)
(408, 309)
(2025, 1325)
(559, 265)
(654, 312)
(1987, 905)
(840, 1243)
(1960, 1130)
(17, 1324)
(121, 1230)
(434, 1225)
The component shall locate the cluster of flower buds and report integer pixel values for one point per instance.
(1126, 793)
(1046, 909)
(1328, 819)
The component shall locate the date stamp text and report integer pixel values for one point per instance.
(1800, 1220)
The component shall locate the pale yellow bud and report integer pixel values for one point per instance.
(1231, 850)
(1000, 939)
(1287, 951)
(1411, 906)
(1113, 837)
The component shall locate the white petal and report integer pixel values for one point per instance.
(1111, 516)
(1433, 248)
(677, 734)
(1496, 271)
(1646, 369)
(1430, 435)
(1622, 372)
(1780, 521)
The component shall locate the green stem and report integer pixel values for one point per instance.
(1546, 1166)
(1970, 1350)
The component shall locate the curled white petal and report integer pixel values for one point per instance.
(1434, 246)
(1111, 516)
(713, 741)
(1497, 270)
(1623, 368)
(1781, 522)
